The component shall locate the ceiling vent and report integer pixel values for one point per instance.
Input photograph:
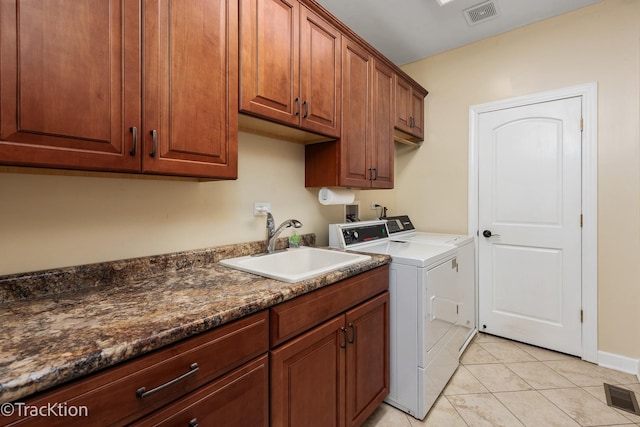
(482, 12)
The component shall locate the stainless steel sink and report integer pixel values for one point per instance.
(294, 265)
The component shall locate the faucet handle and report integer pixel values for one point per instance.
(271, 225)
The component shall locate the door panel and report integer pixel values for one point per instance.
(320, 87)
(530, 200)
(70, 81)
(367, 358)
(189, 102)
(382, 126)
(269, 55)
(307, 378)
(356, 111)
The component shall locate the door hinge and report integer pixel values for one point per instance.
(581, 220)
(581, 316)
(581, 124)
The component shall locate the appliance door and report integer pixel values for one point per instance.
(440, 307)
(440, 347)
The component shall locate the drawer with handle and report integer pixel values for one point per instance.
(136, 388)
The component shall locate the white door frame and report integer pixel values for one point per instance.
(589, 94)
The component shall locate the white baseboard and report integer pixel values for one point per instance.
(619, 363)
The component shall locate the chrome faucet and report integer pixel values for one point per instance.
(273, 232)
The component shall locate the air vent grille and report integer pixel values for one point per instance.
(621, 398)
(481, 12)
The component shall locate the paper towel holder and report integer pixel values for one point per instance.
(336, 196)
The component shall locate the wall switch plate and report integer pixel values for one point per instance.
(261, 208)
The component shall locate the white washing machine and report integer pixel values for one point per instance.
(424, 311)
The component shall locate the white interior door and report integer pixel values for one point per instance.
(529, 215)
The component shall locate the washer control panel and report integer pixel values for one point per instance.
(352, 234)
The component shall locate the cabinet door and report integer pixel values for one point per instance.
(239, 399)
(269, 59)
(403, 105)
(320, 60)
(367, 358)
(356, 116)
(417, 112)
(307, 378)
(409, 105)
(190, 95)
(382, 155)
(70, 83)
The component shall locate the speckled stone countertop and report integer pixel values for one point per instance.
(59, 325)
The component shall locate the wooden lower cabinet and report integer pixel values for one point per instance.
(337, 373)
(321, 359)
(229, 360)
(367, 364)
(240, 399)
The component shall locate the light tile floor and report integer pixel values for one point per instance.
(506, 383)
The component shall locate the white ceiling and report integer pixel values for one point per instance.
(408, 30)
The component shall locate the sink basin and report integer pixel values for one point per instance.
(294, 265)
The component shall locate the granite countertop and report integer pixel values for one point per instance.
(62, 324)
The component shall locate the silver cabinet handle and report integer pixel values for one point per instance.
(142, 391)
(134, 131)
(306, 109)
(193, 423)
(297, 101)
(154, 147)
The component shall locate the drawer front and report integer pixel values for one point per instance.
(115, 395)
(239, 399)
(300, 314)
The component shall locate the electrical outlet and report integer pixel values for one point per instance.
(374, 206)
(261, 208)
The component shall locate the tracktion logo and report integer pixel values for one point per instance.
(55, 409)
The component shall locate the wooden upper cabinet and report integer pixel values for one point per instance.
(364, 155)
(320, 65)
(356, 168)
(289, 65)
(409, 106)
(190, 88)
(72, 86)
(382, 146)
(70, 83)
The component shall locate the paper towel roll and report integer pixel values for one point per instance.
(340, 196)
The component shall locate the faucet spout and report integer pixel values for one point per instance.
(273, 232)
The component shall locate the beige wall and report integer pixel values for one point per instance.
(599, 44)
(50, 221)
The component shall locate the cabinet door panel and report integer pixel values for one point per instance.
(320, 47)
(307, 378)
(190, 98)
(403, 105)
(382, 126)
(367, 358)
(70, 82)
(356, 110)
(417, 112)
(269, 55)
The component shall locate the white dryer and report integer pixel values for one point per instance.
(402, 229)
